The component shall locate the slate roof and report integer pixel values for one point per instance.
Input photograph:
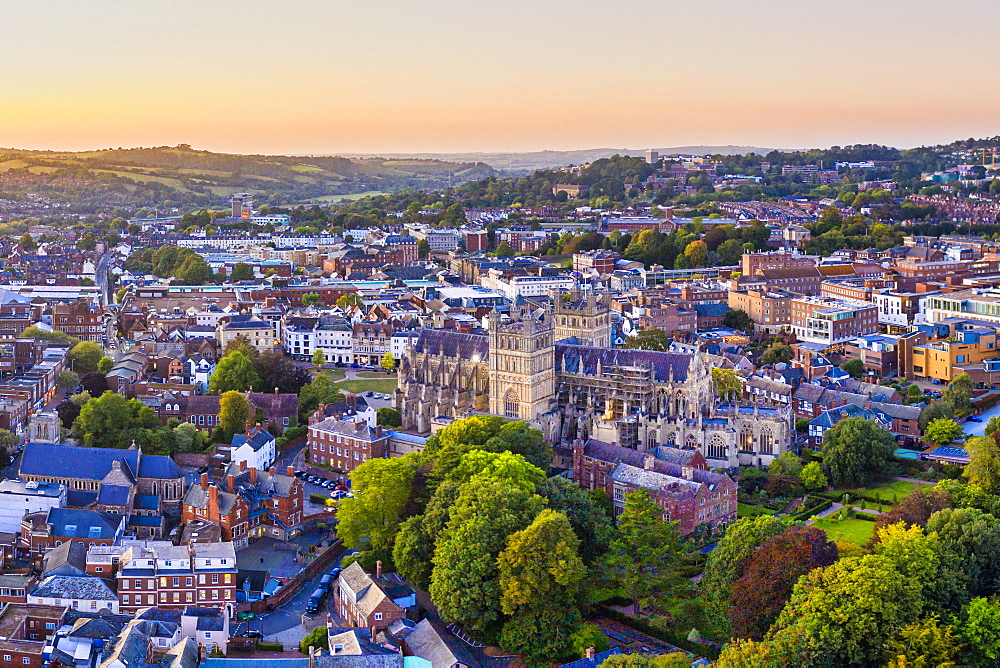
(82, 523)
(584, 360)
(433, 643)
(452, 344)
(63, 461)
(75, 587)
(113, 495)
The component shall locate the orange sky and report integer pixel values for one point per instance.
(311, 76)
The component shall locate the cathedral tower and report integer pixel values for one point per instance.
(522, 365)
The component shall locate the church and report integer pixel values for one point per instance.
(551, 365)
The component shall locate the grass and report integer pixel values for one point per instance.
(384, 386)
(751, 510)
(858, 532)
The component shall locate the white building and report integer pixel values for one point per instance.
(256, 449)
(525, 286)
(18, 498)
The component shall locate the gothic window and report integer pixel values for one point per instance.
(766, 443)
(717, 447)
(746, 439)
(511, 408)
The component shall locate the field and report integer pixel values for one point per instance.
(384, 386)
(858, 532)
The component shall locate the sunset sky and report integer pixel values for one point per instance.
(327, 76)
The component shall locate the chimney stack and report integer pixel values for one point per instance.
(591, 653)
(378, 568)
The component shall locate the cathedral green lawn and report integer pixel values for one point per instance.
(858, 532)
(383, 386)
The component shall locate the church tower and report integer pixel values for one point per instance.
(522, 365)
(588, 318)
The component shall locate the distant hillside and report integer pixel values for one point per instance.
(34, 182)
(527, 162)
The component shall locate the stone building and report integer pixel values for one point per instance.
(574, 389)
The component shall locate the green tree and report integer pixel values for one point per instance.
(812, 477)
(318, 638)
(504, 250)
(943, 430)
(465, 582)
(321, 390)
(737, 318)
(643, 557)
(241, 272)
(388, 361)
(112, 421)
(925, 643)
(856, 452)
(310, 299)
(540, 576)
(350, 300)
(85, 356)
(697, 253)
(983, 469)
(651, 338)
(855, 367)
(388, 417)
(67, 380)
(105, 365)
(726, 383)
(234, 413)
(236, 372)
(369, 520)
(590, 520)
(724, 565)
(980, 630)
(319, 357)
(934, 411)
(959, 392)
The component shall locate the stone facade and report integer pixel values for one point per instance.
(573, 389)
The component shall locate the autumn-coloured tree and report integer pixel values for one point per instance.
(769, 575)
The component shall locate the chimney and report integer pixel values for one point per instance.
(378, 568)
(204, 480)
(591, 653)
(253, 475)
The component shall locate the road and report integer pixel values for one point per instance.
(978, 428)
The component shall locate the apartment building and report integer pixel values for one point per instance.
(346, 444)
(769, 309)
(78, 319)
(829, 321)
(177, 576)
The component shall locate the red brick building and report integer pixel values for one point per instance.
(344, 444)
(177, 576)
(78, 319)
(678, 480)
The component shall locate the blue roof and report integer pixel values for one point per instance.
(160, 467)
(408, 438)
(138, 521)
(80, 523)
(113, 495)
(146, 502)
(67, 461)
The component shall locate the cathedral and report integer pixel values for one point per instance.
(551, 365)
